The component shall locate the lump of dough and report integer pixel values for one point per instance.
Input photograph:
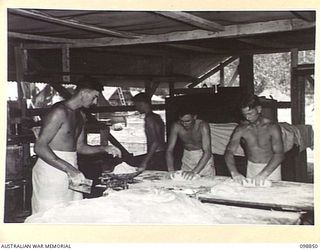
(124, 168)
(177, 176)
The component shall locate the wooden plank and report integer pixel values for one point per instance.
(283, 195)
(192, 20)
(230, 31)
(40, 38)
(263, 43)
(198, 49)
(187, 91)
(105, 109)
(47, 75)
(70, 23)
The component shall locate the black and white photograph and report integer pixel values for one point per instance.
(160, 117)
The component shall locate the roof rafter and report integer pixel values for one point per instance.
(40, 38)
(230, 31)
(197, 49)
(263, 42)
(70, 23)
(192, 20)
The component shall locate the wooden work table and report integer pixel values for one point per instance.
(251, 204)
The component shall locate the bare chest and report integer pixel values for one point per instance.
(73, 125)
(257, 136)
(191, 137)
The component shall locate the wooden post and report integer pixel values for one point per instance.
(246, 74)
(171, 89)
(147, 86)
(66, 64)
(21, 67)
(221, 75)
(297, 89)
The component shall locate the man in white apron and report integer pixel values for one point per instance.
(262, 143)
(61, 138)
(195, 135)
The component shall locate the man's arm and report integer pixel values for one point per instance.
(84, 148)
(231, 148)
(171, 144)
(206, 147)
(50, 128)
(153, 130)
(277, 157)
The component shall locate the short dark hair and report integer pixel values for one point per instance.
(141, 97)
(185, 109)
(250, 101)
(88, 82)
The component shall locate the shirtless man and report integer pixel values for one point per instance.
(61, 138)
(195, 136)
(262, 142)
(155, 133)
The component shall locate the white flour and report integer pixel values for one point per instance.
(124, 168)
(142, 206)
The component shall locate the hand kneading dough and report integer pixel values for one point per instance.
(177, 176)
(124, 168)
(250, 183)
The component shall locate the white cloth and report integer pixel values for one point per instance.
(190, 160)
(220, 136)
(301, 135)
(255, 168)
(50, 185)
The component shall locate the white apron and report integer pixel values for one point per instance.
(255, 168)
(50, 185)
(190, 160)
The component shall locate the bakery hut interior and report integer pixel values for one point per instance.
(206, 59)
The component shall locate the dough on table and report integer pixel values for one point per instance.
(124, 168)
(177, 176)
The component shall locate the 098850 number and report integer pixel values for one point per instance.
(308, 245)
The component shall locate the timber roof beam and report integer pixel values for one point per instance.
(192, 20)
(231, 31)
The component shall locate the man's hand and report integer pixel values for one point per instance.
(239, 178)
(114, 151)
(189, 175)
(259, 180)
(75, 176)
